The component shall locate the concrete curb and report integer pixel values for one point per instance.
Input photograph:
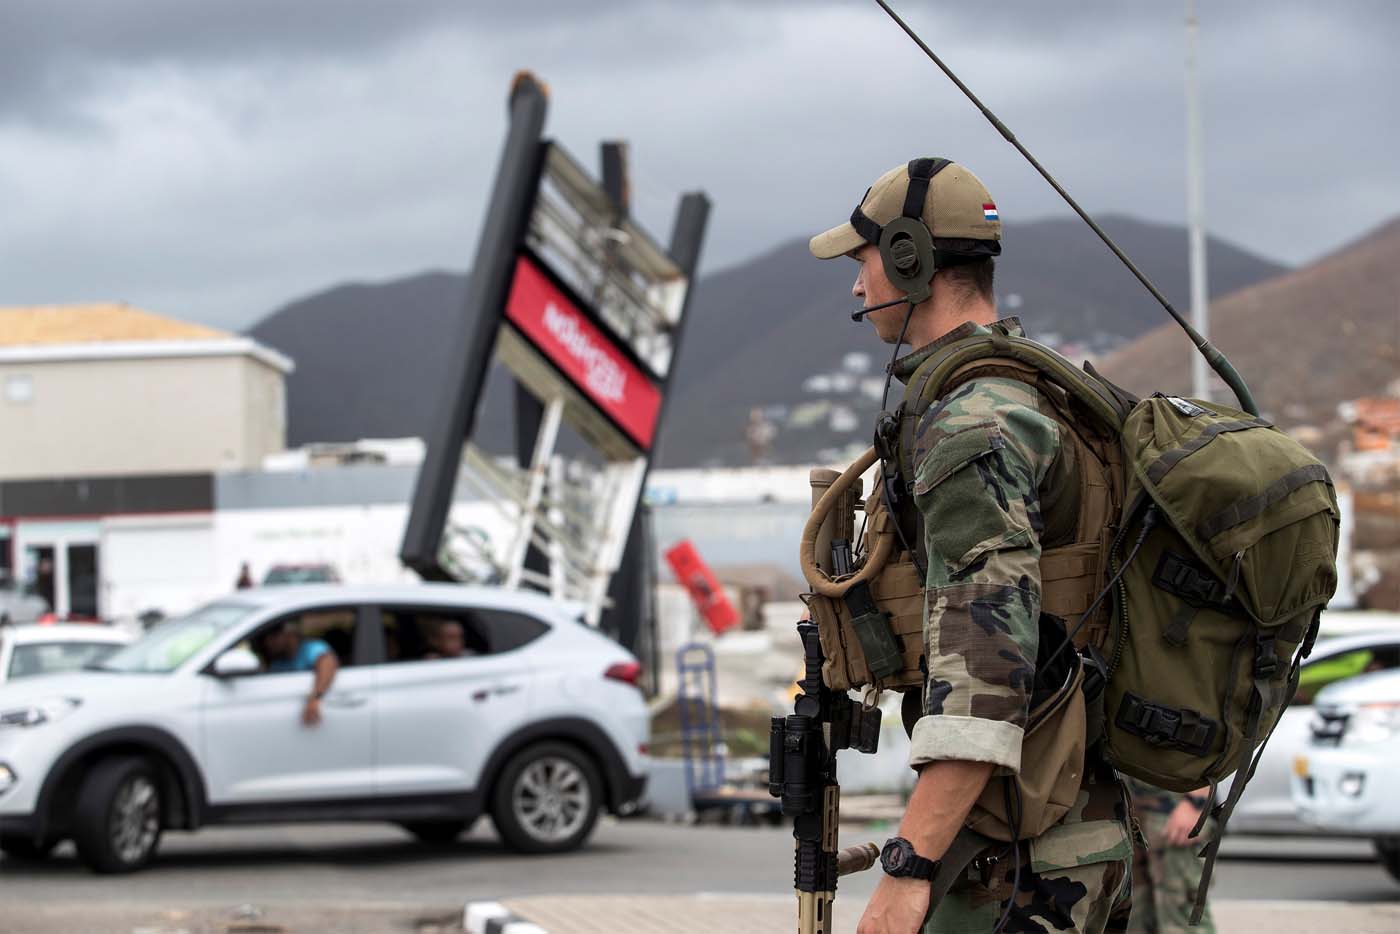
(495, 918)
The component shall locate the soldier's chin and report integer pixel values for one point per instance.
(886, 334)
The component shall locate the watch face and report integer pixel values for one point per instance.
(894, 857)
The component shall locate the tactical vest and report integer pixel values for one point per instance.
(1198, 555)
(1080, 522)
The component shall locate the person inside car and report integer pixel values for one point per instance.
(284, 649)
(449, 640)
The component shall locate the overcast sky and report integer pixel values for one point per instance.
(212, 160)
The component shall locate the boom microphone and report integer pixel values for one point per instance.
(861, 313)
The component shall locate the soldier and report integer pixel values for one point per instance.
(1167, 871)
(983, 521)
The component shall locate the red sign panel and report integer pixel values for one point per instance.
(582, 352)
(705, 590)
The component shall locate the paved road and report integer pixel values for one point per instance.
(289, 871)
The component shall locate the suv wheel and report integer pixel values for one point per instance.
(547, 798)
(117, 819)
(25, 848)
(1388, 849)
(435, 832)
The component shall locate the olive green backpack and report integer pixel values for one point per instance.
(1219, 565)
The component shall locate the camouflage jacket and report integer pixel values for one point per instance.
(982, 526)
(986, 457)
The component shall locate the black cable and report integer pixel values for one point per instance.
(894, 357)
(887, 485)
(1011, 787)
(1149, 521)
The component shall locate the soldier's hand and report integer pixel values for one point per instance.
(1180, 823)
(897, 907)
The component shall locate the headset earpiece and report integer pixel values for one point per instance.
(906, 250)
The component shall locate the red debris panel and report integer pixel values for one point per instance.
(705, 589)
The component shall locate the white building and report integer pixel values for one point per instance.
(110, 390)
(107, 411)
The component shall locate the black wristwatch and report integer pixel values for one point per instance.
(899, 860)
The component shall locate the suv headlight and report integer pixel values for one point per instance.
(38, 713)
(1372, 723)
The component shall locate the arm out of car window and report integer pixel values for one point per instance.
(325, 669)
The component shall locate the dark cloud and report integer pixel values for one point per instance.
(214, 159)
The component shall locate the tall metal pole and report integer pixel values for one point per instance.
(1196, 204)
(502, 230)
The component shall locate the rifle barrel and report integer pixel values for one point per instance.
(856, 858)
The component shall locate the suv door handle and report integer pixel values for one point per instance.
(346, 700)
(495, 690)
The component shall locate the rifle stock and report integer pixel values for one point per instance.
(802, 773)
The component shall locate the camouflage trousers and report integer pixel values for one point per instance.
(1164, 882)
(1088, 899)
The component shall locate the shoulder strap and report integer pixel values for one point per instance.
(931, 379)
(999, 354)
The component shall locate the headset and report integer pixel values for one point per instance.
(907, 249)
(905, 243)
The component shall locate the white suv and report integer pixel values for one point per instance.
(1344, 782)
(538, 720)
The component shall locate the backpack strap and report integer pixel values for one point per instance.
(966, 847)
(1265, 662)
(931, 378)
(1091, 416)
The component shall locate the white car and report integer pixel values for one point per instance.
(20, 603)
(1267, 804)
(26, 651)
(539, 722)
(1342, 784)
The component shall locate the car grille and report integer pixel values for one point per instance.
(1328, 725)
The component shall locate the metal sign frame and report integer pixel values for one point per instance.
(551, 233)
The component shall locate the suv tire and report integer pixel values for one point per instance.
(117, 821)
(1388, 849)
(546, 799)
(24, 848)
(436, 832)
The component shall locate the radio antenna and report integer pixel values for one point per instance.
(1213, 356)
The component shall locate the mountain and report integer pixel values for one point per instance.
(369, 358)
(786, 307)
(371, 361)
(1304, 341)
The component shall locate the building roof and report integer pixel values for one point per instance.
(106, 330)
(97, 322)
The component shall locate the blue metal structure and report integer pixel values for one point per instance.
(701, 740)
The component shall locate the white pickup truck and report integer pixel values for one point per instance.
(1344, 779)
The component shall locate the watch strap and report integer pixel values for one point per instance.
(921, 867)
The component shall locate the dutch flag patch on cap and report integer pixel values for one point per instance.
(989, 212)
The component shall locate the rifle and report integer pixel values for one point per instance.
(802, 751)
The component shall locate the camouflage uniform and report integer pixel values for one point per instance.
(1165, 877)
(983, 525)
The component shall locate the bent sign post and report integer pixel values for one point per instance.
(585, 312)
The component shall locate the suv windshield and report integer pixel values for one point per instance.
(45, 658)
(301, 574)
(167, 646)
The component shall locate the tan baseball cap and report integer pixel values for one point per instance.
(954, 205)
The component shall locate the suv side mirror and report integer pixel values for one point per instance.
(236, 662)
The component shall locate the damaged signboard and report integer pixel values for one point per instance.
(585, 311)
